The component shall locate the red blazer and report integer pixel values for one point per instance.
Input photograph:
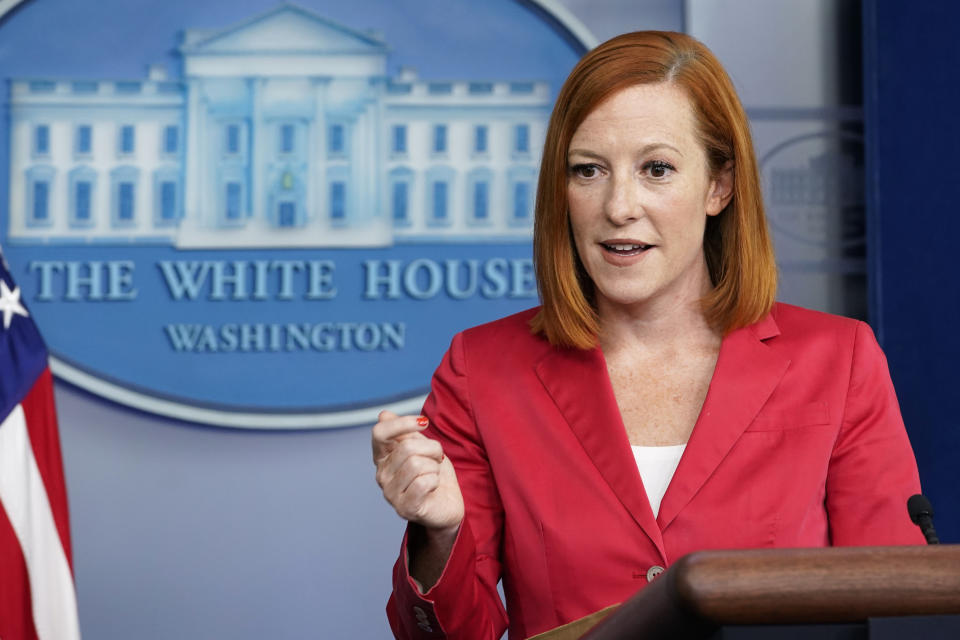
(799, 443)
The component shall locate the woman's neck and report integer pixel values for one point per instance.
(666, 324)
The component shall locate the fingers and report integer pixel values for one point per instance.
(413, 504)
(415, 476)
(408, 485)
(392, 427)
(417, 470)
(408, 458)
(420, 493)
(401, 452)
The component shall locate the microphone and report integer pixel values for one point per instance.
(921, 512)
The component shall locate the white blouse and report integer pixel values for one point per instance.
(657, 466)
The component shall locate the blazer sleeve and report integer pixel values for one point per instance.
(872, 468)
(464, 603)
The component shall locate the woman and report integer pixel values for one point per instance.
(658, 402)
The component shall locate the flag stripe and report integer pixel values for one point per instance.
(16, 619)
(41, 415)
(24, 498)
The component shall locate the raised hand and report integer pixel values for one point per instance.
(416, 477)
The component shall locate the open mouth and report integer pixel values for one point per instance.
(625, 249)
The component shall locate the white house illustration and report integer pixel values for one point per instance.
(285, 130)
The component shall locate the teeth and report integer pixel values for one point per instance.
(625, 247)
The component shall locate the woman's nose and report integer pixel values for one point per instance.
(624, 203)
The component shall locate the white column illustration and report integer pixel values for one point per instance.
(258, 133)
(192, 203)
(317, 161)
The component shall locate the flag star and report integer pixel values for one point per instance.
(10, 303)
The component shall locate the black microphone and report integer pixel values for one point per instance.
(921, 512)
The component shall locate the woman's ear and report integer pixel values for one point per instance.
(721, 190)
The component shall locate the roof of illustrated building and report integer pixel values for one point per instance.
(286, 28)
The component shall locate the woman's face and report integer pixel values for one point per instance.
(639, 193)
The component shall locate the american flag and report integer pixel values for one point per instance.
(37, 596)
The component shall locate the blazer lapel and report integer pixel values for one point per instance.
(579, 384)
(746, 374)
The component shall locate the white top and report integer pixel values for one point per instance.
(657, 466)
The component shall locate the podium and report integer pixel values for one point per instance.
(862, 593)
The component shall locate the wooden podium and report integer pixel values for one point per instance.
(711, 594)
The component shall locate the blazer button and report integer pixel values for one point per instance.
(653, 572)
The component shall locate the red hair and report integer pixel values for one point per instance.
(736, 242)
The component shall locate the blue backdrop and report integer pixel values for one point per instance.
(911, 101)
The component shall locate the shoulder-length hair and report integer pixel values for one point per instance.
(737, 245)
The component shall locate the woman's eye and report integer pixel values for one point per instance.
(658, 168)
(585, 170)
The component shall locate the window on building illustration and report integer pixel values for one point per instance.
(171, 138)
(38, 186)
(167, 196)
(480, 88)
(41, 140)
(287, 214)
(81, 183)
(521, 87)
(83, 191)
(125, 201)
(43, 86)
(41, 201)
(128, 87)
(84, 141)
(336, 143)
(286, 138)
(521, 200)
(234, 193)
(338, 200)
(477, 196)
(481, 200)
(521, 138)
(400, 197)
(480, 139)
(399, 88)
(127, 139)
(440, 200)
(168, 201)
(399, 138)
(233, 139)
(440, 138)
(84, 86)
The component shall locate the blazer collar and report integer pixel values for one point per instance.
(746, 374)
(579, 384)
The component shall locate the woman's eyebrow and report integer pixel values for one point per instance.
(661, 145)
(653, 146)
(585, 153)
